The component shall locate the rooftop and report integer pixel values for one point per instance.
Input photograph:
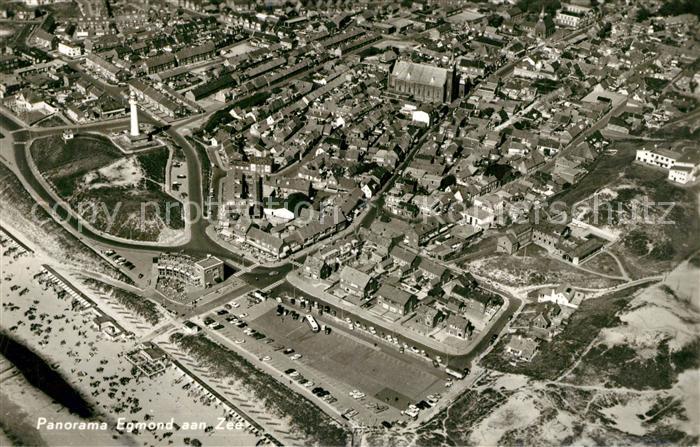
(419, 73)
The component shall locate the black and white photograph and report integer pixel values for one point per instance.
(349, 223)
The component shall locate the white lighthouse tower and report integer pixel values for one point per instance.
(134, 115)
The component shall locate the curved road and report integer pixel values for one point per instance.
(288, 291)
(200, 244)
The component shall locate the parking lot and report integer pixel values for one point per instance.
(179, 186)
(386, 381)
(391, 377)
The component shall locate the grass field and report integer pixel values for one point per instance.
(51, 121)
(605, 170)
(623, 367)
(652, 240)
(118, 194)
(138, 304)
(63, 164)
(604, 263)
(154, 163)
(532, 265)
(679, 229)
(556, 356)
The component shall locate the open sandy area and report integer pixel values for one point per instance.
(96, 366)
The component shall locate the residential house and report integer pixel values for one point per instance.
(267, 242)
(683, 168)
(403, 258)
(479, 217)
(355, 282)
(191, 55)
(396, 300)
(44, 39)
(315, 267)
(161, 62)
(522, 348)
(423, 232)
(564, 295)
(458, 326)
(433, 271)
(70, 49)
(428, 316)
(475, 303)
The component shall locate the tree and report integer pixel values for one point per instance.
(495, 20)
(604, 31)
(535, 6)
(642, 14)
(447, 181)
(678, 7)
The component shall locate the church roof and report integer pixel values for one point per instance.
(419, 73)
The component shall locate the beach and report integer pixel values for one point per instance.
(35, 313)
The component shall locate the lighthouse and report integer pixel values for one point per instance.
(134, 115)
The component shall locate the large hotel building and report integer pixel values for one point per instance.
(203, 273)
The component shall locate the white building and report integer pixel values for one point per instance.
(279, 213)
(70, 49)
(682, 168)
(573, 16)
(683, 174)
(662, 158)
(479, 217)
(562, 295)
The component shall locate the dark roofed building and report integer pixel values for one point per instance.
(44, 39)
(428, 316)
(458, 326)
(583, 250)
(266, 242)
(403, 257)
(355, 282)
(159, 63)
(288, 185)
(195, 54)
(315, 267)
(433, 270)
(423, 82)
(396, 300)
(522, 348)
(517, 237)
